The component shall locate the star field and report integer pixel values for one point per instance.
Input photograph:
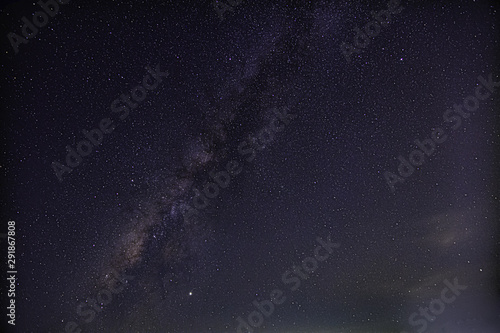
(230, 144)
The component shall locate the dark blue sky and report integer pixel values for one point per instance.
(119, 220)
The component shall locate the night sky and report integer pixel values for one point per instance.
(252, 166)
